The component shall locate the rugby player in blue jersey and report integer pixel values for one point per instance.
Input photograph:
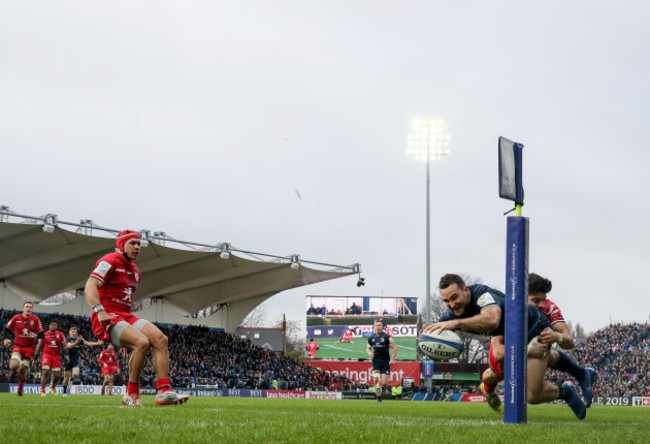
(73, 347)
(481, 309)
(377, 349)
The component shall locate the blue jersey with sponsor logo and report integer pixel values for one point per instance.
(380, 345)
(73, 353)
(482, 296)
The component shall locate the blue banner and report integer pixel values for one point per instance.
(326, 331)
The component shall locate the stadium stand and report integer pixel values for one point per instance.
(200, 356)
(620, 353)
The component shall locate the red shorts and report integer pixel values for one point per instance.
(497, 367)
(25, 352)
(102, 331)
(108, 369)
(51, 361)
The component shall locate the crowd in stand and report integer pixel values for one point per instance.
(620, 354)
(354, 309)
(198, 356)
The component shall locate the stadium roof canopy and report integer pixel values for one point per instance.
(42, 256)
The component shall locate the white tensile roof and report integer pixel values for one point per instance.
(36, 264)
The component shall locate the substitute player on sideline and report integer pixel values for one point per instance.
(377, 349)
(109, 291)
(26, 328)
(73, 346)
(51, 345)
(110, 366)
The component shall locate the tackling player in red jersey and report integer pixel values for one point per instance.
(559, 333)
(110, 366)
(538, 288)
(109, 291)
(51, 345)
(26, 328)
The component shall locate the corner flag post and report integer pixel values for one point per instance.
(516, 304)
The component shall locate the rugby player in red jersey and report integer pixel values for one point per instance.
(110, 366)
(347, 336)
(311, 348)
(538, 288)
(51, 345)
(26, 328)
(109, 291)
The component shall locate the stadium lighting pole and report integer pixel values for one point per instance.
(428, 143)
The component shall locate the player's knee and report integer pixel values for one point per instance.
(159, 340)
(533, 396)
(141, 344)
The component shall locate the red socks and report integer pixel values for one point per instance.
(488, 387)
(133, 388)
(162, 385)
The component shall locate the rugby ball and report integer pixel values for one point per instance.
(441, 347)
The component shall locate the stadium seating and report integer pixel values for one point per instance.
(620, 354)
(199, 356)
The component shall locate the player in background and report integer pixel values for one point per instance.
(378, 349)
(311, 348)
(51, 345)
(26, 328)
(73, 347)
(109, 291)
(110, 366)
(347, 336)
(481, 309)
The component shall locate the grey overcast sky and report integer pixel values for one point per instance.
(203, 118)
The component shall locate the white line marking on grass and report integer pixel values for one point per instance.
(408, 348)
(98, 406)
(338, 348)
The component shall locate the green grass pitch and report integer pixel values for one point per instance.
(95, 419)
(330, 348)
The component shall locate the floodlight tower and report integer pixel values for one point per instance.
(428, 143)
